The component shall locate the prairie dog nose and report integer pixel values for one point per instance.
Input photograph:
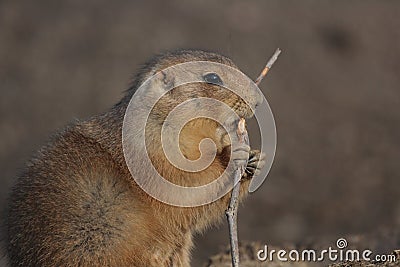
(259, 97)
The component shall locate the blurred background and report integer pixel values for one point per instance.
(335, 94)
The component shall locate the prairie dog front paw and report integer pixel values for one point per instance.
(255, 163)
(240, 155)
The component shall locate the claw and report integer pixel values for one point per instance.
(255, 163)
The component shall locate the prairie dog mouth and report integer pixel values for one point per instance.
(241, 112)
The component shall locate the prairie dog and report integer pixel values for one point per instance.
(76, 203)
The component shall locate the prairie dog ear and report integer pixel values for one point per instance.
(167, 80)
(159, 83)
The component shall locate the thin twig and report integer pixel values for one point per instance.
(268, 66)
(231, 212)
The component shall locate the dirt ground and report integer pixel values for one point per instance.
(335, 94)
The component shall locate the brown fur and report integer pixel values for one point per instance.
(76, 203)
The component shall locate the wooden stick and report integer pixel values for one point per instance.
(268, 66)
(231, 212)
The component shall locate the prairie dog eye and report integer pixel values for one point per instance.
(212, 78)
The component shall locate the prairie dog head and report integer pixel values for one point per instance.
(187, 75)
